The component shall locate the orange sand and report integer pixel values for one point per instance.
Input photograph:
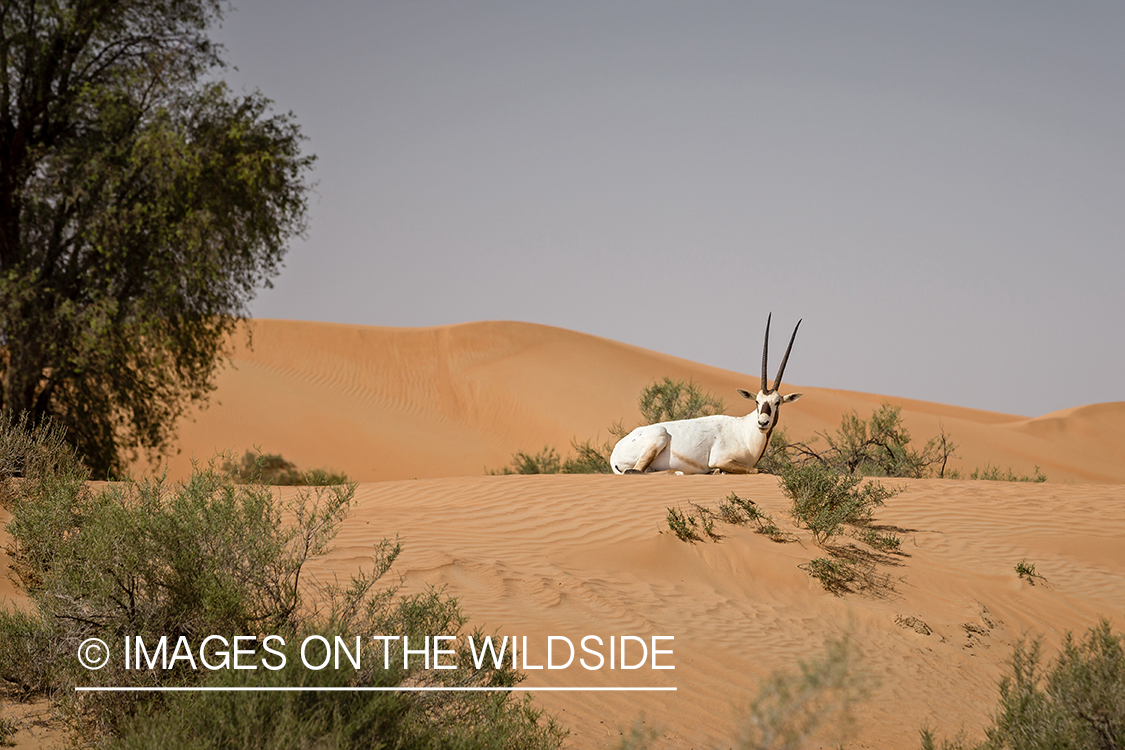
(580, 555)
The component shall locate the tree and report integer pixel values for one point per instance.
(142, 205)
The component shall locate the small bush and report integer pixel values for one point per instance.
(588, 458)
(880, 541)
(683, 526)
(834, 574)
(669, 400)
(824, 500)
(1078, 702)
(792, 707)
(270, 468)
(545, 461)
(736, 511)
(210, 556)
(995, 474)
(1024, 569)
(879, 447)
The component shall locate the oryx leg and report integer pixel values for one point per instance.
(730, 466)
(655, 442)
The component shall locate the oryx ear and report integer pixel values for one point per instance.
(746, 394)
(790, 397)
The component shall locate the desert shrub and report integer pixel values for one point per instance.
(669, 399)
(834, 574)
(791, 707)
(270, 468)
(545, 461)
(1078, 702)
(211, 556)
(879, 447)
(996, 474)
(1024, 569)
(823, 500)
(588, 458)
(682, 525)
(736, 510)
(881, 541)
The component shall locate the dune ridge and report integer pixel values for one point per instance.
(397, 403)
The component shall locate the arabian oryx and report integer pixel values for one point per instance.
(708, 444)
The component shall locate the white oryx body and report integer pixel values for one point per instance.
(706, 445)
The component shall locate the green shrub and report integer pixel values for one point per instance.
(544, 462)
(793, 706)
(669, 400)
(736, 510)
(683, 526)
(1078, 702)
(1024, 569)
(834, 574)
(995, 474)
(823, 500)
(878, 540)
(271, 468)
(210, 556)
(588, 458)
(879, 447)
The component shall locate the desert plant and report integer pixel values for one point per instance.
(210, 556)
(823, 500)
(996, 474)
(682, 525)
(791, 707)
(833, 573)
(270, 468)
(545, 461)
(1077, 702)
(879, 447)
(589, 458)
(879, 540)
(669, 399)
(1024, 569)
(736, 510)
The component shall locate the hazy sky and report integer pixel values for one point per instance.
(937, 188)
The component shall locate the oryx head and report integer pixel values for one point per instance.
(770, 401)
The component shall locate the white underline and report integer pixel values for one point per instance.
(366, 689)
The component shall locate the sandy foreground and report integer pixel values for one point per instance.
(571, 556)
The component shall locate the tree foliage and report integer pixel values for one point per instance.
(141, 206)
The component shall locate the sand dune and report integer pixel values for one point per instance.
(579, 555)
(393, 403)
(417, 415)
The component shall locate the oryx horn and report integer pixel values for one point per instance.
(781, 370)
(765, 355)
